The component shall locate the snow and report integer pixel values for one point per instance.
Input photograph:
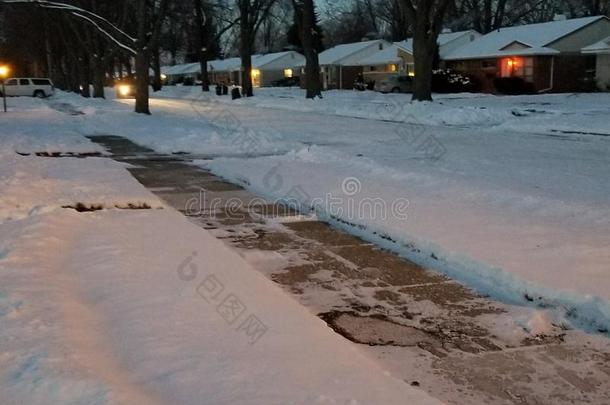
(513, 200)
(602, 46)
(447, 42)
(350, 54)
(537, 36)
(278, 60)
(116, 306)
(388, 55)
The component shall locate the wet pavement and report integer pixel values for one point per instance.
(421, 326)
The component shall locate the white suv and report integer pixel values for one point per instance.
(29, 87)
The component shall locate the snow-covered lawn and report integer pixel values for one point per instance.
(129, 306)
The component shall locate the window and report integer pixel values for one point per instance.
(410, 69)
(46, 82)
(392, 68)
(518, 67)
(24, 82)
(287, 73)
(12, 82)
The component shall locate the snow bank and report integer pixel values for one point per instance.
(551, 113)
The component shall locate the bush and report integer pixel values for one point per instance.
(188, 81)
(448, 81)
(513, 86)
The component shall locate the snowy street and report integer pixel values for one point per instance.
(507, 212)
(109, 294)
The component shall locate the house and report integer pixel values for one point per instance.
(340, 65)
(177, 73)
(547, 55)
(399, 56)
(265, 69)
(224, 71)
(268, 68)
(601, 50)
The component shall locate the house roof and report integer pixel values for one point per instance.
(443, 39)
(260, 61)
(602, 46)
(341, 54)
(535, 37)
(390, 54)
(386, 56)
(223, 65)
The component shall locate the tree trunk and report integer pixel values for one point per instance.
(99, 79)
(142, 61)
(156, 62)
(424, 45)
(246, 64)
(85, 91)
(312, 66)
(201, 22)
(142, 64)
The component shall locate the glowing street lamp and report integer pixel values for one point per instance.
(4, 72)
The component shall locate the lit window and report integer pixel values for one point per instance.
(392, 68)
(287, 72)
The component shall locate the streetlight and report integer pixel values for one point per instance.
(4, 71)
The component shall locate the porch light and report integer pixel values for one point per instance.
(4, 71)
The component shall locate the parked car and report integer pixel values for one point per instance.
(287, 82)
(395, 84)
(29, 86)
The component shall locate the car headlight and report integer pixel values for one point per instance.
(124, 89)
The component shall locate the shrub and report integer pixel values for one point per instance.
(448, 81)
(513, 86)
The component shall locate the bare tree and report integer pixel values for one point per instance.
(306, 21)
(252, 13)
(426, 17)
(149, 21)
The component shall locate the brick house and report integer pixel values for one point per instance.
(398, 58)
(547, 55)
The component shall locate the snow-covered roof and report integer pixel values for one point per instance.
(534, 38)
(341, 54)
(443, 39)
(295, 58)
(602, 46)
(224, 65)
(386, 56)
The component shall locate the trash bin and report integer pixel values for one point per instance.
(225, 89)
(218, 90)
(235, 94)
